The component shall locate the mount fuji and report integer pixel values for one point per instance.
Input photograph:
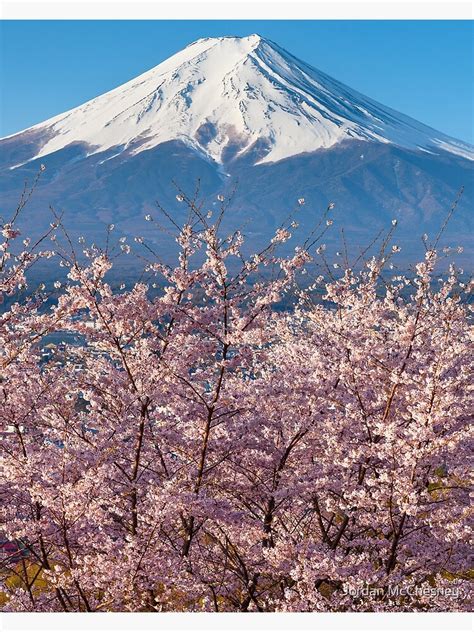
(240, 113)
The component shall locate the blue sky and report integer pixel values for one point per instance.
(421, 68)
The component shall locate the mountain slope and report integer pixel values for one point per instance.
(228, 93)
(240, 112)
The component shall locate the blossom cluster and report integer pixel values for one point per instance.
(196, 449)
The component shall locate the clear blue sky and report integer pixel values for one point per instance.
(421, 68)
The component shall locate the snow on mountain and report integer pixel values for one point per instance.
(226, 95)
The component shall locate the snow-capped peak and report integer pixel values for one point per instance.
(223, 95)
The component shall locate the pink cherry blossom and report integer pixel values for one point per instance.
(198, 449)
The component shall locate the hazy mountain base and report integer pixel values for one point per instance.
(370, 184)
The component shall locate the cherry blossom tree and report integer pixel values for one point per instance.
(198, 447)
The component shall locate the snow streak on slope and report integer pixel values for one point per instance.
(226, 95)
